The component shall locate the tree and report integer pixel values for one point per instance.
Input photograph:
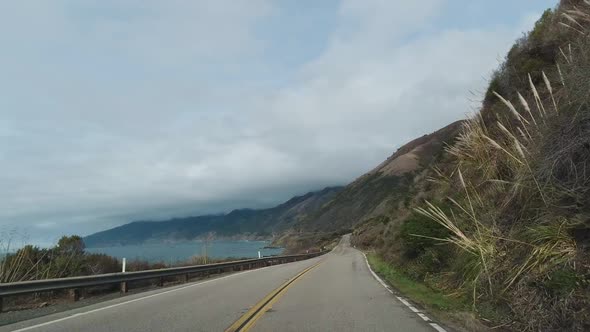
(71, 245)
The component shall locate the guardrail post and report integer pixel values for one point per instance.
(1, 304)
(75, 294)
(160, 282)
(124, 287)
(186, 277)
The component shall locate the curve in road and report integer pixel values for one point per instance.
(338, 294)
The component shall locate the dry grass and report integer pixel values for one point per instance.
(519, 192)
(20, 265)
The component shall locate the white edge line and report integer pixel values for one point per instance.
(413, 309)
(423, 316)
(437, 327)
(376, 276)
(401, 299)
(193, 284)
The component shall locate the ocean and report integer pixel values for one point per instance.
(178, 252)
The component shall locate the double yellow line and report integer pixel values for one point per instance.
(248, 320)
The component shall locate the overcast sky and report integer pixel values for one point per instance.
(112, 111)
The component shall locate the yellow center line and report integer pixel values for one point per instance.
(248, 320)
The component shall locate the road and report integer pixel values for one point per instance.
(334, 292)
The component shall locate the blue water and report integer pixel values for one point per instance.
(177, 252)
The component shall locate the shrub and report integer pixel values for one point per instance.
(419, 233)
(100, 264)
(66, 259)
(562, 282)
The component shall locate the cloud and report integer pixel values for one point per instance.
(115, 111)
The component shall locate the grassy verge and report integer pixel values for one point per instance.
(416, 291)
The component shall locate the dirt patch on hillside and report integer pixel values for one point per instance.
(402, 164)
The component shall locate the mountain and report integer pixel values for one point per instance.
(258, 223)
(325, 214)
(380, 190)
(374, 197)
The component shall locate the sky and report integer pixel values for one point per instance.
(113, 111)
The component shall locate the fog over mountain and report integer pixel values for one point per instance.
(113, 112)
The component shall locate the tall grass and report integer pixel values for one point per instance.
(17, 265)
(519, 191)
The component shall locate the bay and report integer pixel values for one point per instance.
(177, 252)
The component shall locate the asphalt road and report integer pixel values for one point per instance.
(338, 294)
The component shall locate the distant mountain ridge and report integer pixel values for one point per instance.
(252, 223)
(301, 220)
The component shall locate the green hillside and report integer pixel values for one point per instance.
(380, 191)
(501, 221)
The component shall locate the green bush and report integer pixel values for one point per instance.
(539, 33)
(561, 282)
(419, 233)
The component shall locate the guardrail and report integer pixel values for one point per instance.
(122, 278)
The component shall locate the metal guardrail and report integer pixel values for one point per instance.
(75, 283)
